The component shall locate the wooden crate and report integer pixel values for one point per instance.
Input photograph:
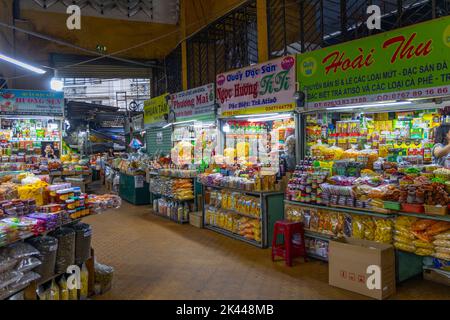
(196, 219)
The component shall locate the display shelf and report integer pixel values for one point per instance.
(172, 197)
(31, 235)
(236, 212)
(254, 193)
(232, 235)
(316, 256)
(341, 209)
(318, 235)
(175, 176)
(169, 218)
(425, 216)
(33, 140)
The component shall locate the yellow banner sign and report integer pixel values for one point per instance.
(155, 109)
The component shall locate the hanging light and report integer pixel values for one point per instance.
(22, 64)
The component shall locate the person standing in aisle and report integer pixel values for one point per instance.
(441, 149)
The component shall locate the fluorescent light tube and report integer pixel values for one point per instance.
(22, 64)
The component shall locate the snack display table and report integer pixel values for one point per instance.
(271, 210)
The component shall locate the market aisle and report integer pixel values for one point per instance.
(159, 259)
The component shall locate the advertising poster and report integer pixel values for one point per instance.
(154, 110)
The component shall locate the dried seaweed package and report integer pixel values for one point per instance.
(82, 242)
(47, 247)
(65, 255)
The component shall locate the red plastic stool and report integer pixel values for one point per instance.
(294, 241)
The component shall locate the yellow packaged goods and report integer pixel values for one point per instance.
(403, 232)
(444, 250)
(442, 243)
(54, 291)
(423, 244)
(242, 149)
(34, 191)
(73, 294)
(404, 222)
(403, 240)
(443, 236)
(358, 227)
(444, 256)
(383, 232)
(84, 277)
(404, 247)
(63, 291)
(369, 229)
(424, 252)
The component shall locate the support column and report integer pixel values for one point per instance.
(263, 36)
(184, 63)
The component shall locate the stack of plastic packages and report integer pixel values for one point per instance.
(47, 247)
(16, 264)
(50, 221)
(26, 225)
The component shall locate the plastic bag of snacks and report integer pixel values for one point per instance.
(54, 291)
(383, 231)
(84, 277)
(9, 277)
(22, 250)
(424, 252)
(103, 277)
(63, 289)
(27, 264)
(404, 247)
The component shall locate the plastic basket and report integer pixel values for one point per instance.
(392, 205)
(436, 210)
(413, 208)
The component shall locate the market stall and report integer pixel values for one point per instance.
(367, 168)
(243, 189)
(30, 129)
(41, 235)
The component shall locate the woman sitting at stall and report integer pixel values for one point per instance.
(441, 148)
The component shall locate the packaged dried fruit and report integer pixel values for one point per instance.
(424, 252)
(443, 236)
(423, 244)
(442, 243)
(404, 246)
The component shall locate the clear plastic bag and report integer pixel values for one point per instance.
(24, 281)
(6, 262)
(84, 277)
(22, 250)
(442, 243)
(54, 291)
(27, 264)
(103, 277)
(9, 277)
(63, 290)
(443, 236)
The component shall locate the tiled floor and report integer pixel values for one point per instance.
(158, 259)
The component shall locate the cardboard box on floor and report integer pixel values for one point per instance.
(349, 260)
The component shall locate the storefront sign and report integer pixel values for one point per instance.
(155, 109)
(194, 104)
(27, 102)
(412, 62)
(262, 88)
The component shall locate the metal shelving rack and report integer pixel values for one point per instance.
(271, 204)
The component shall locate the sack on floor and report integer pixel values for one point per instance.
(103, 278)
